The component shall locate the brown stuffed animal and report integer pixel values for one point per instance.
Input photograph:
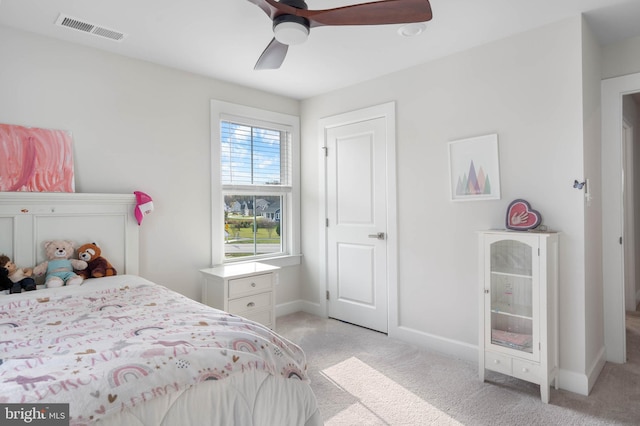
(98, 266)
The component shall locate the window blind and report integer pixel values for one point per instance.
(254, 156)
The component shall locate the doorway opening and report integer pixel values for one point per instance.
(631, 200)
(620, 117)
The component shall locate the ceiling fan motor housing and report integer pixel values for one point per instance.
(290, 29)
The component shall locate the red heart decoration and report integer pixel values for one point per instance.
(520, 216)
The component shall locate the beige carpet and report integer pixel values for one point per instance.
(361, 377)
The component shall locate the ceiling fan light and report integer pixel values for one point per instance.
(291, 33)
(412, 30)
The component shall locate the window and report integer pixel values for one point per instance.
(254, 184)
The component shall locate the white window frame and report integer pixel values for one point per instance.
(221, 110)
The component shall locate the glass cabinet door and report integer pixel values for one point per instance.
(511, 295)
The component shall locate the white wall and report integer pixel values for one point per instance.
(528, 89)
(136, 126)
(621, 58)
(594, 308)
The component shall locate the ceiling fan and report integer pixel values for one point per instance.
(292, 21)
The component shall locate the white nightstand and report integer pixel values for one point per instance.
(244, 289)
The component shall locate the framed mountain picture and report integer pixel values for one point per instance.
(474, 168)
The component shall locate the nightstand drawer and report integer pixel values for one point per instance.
(249, 285)
(264, 317)
(244, 305)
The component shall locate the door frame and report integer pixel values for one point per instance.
(628, 225)
(388, 112)
(612, 91)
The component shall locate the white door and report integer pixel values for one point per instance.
(356, 232)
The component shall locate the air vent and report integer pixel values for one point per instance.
(86, 27)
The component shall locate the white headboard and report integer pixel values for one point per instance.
(27, 219)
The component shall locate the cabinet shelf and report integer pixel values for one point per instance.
(518, 311)
(518, 341)
(510, 274)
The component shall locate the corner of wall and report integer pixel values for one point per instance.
(596, 368)
(582, 383)
(297, 306)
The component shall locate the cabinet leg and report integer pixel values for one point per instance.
(544, 393)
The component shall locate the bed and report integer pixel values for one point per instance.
(124, 350)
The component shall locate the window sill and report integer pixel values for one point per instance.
(281, 261)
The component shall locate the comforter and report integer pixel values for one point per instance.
(116, 346)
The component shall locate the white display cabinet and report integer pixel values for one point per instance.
(519, 308)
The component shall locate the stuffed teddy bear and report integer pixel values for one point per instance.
(19, 277)
(59, 266)
(97, 266)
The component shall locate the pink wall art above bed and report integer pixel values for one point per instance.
(35, 160)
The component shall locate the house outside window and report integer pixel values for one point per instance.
(255, 185)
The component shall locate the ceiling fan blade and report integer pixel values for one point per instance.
(273, 8)
(272, 57)
(374, 13)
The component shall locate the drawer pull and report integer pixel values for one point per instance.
(253, 284)
(525, 370)
(496, 361)
(251, 305)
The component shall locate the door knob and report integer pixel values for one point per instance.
(379, 235)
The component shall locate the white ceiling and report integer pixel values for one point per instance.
(224, 38)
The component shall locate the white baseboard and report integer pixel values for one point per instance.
(582, 383)
(596, 369)
(573, 382)
(297, 306)
(445, 346)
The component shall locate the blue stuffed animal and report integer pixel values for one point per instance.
(59, 265)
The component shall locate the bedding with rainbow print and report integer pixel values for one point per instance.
(116, 341)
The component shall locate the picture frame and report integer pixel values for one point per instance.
(474, 168)
(35, 160)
